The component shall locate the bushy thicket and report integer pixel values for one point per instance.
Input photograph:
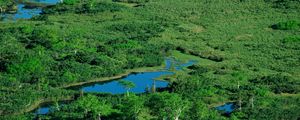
(288, 25)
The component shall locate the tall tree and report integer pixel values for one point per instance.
(91, 106)
(132, 106)
(127, 85)
(168, 105)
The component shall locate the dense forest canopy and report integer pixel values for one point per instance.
(247, 52)
(5, 4)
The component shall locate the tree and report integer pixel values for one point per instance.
(91, 105)
(4, 4)
(168, 105)
(30, 70)
(127, 85)
(132, 106)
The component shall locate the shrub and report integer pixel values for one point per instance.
(288, 25)
(198, 70)
(70, 2)
(291, 39)
(131, 1)
(285, 4)
(141, 31)
(93, 7)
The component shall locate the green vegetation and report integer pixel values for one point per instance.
(7, 6)
(289, 25)
(70, 2)
(241, 59)
(127, 85)
(85, 107)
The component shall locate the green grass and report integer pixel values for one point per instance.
(186, 57)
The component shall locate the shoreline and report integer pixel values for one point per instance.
(40, 102)
(119, 76)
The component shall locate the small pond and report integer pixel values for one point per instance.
(43, 110)
(226, 108)
(49, 2)
(28, 12)
(142, 81)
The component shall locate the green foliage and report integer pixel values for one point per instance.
(132, 107)
(69, 77)
(285, 4)
(94, 7)
(70, 2)
(17, 117)
(132, 1)
(198, 70)
(29, 71)
(78, 41)
(288, 25)
(279, 83)
(127, 85)
(168, 105)
(291, 39)
(277, 108)
(89, 107)
(137, 30)
(199, 111)
(5, 4)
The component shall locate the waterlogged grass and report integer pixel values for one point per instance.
(187, 57)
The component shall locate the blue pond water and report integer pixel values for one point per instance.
(46, 1)
(26, 13)
(142, 81)
(23, 13)
(42, 110)
(227, 108)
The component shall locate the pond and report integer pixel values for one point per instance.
(226, 108)
(143, 81)
(43, 110)
(24, 12)
(49, 2)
